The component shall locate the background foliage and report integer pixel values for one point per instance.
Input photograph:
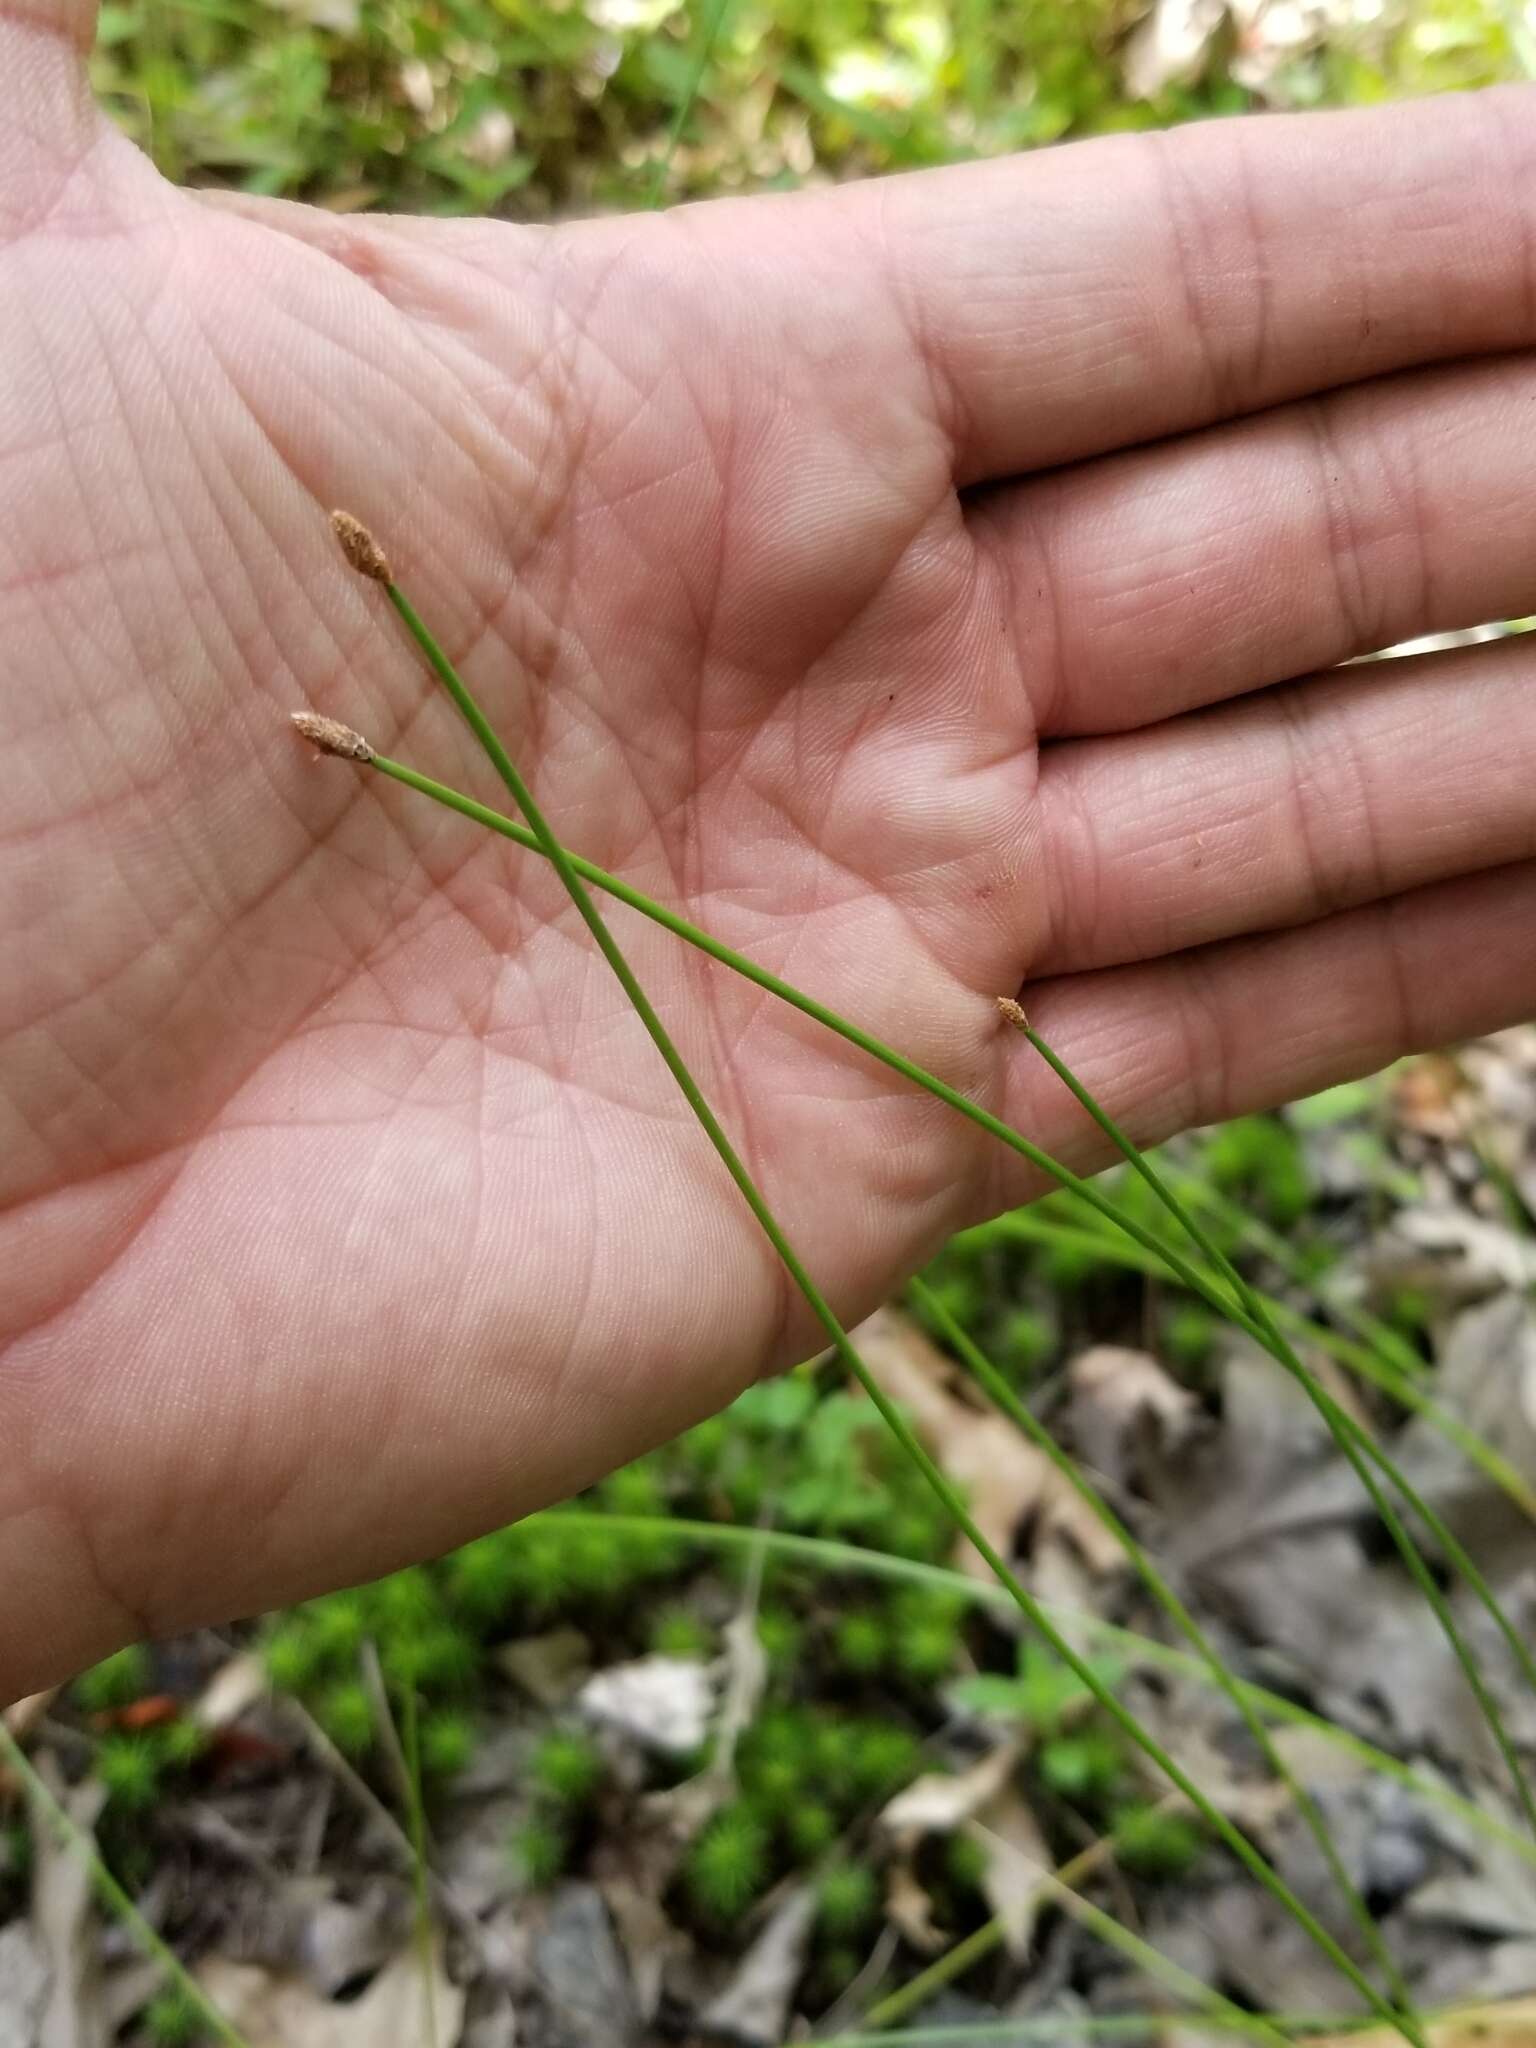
(540, 107)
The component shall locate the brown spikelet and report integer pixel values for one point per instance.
(332, 737)
(360, 547)
(1013, 1011)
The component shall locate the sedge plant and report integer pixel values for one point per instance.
(368, 559)
(1359, 1448)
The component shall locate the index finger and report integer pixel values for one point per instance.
(1113, 292)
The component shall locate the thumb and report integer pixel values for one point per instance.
(71, 22)
(47, 116)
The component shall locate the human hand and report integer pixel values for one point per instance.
(346, 1209)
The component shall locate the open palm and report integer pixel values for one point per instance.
(346, 1209)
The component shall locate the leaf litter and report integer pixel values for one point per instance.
(274, 1872)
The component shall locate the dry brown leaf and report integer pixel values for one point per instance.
(1017, 1860)
(276, 2010)
(662, 1703)
(1004, 1478)
(234, 1688)
(1429, 1096)
(72, 2015)
(550, 1666)
(756, 2004)
(23, 1985)
(1122, 1398)
(940, 1801)
(1510, 2025)
(21, 1718)
(910, 1910)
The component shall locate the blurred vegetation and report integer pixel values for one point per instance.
(536, 108)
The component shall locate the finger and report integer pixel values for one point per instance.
(1086, 298)
(1148, 583)
(47, 114)
(1289, 806)
(1237, 1027)
(71, 21)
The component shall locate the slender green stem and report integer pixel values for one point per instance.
(1003, 1397)
(938, 1481)
(1234, 1306)
(1169, 1974)
(1393, 1351)
(1115, 2026)
(621, 891)
(79, 1843)
(1158, 1255)
(664, 162)
(964, 1956)
(916, 1992)
(1356, 1444)
(416, 1814)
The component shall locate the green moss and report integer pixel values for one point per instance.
(1189, 1336)
(678, 1632)
(926, 1635)
(1068, 1266)
(831, 1752)
(965, 1863)
(598, 1564)
(402, 1604)
(447, 1744)
(437, 1658)
(781, 1635)
(956, 1286)
(345, 1712)
(1024, 1341)
(847, 1899)
(1154, 1844)
(292, 1654)
(481, 1577)
(338, 1625)
(117, 1681)
(567, 1767)
(15, 1852)
(776, 1758)
(537, 1567)
(704, 1445)
(129, 1767)
(728, 1864)
(181, 1742)
(1256, 1159)
(1083, 1767)
(1412, 1309)
(859, 1642)
(538, 1851)
(809, 1828)
(885, 1757)
(634, 1490)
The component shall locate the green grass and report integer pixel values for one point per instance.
(539, 109)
